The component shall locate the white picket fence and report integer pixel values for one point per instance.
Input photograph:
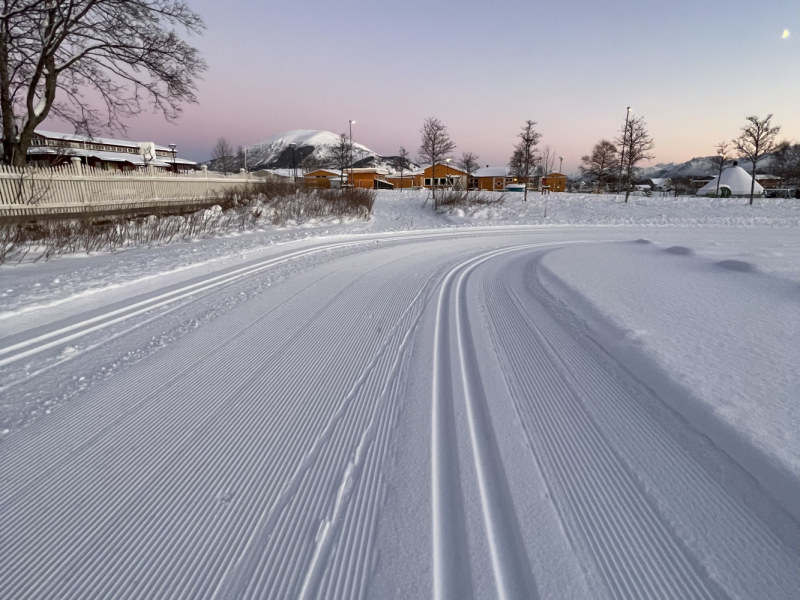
(76, 188)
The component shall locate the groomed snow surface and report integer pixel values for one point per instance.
(602, 403)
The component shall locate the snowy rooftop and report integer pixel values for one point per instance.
(73, 137)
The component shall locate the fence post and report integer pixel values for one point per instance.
(204, 168)
(77, 166)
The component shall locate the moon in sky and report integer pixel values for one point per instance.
(785, 33)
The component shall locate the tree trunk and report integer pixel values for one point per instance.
(753, 183)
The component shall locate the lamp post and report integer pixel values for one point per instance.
(560, 163)
(447, 170)
(174, 161)
(294, 166)
(719, 175)
(352, 182)
(622, 155)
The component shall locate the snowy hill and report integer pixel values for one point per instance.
(700, 166)
(275, 152)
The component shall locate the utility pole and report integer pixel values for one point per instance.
(624, 143)
(294, 166)
(560, 163)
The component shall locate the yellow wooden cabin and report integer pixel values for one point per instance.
(557, 182)
(369, 178)
(320, 178)
(443, 175)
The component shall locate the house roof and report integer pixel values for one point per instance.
(491, 172)
(661, 181)
(134, 159)
(73, 137)
(760, 176)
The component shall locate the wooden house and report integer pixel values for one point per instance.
(557, 182)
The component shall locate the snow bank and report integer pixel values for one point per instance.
(715, 335)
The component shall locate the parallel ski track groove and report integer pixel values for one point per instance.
(589, 379)
(451, 574)
(637, 556)
(163, 572)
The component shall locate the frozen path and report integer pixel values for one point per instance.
(408, 416)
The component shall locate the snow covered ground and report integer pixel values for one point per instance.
(602, 403)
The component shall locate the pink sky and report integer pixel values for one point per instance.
(272, 69)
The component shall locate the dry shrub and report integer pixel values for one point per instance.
(452, 199)
(238, 210)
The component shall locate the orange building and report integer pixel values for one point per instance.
(443, 175)
(373, 179)
(321, 178)
(409, 180)
(557, 182)
(491, 179)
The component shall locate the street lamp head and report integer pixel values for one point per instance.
(629, 109)
(172, 147)
(352, 122)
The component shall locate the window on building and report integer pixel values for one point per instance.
(427, 181)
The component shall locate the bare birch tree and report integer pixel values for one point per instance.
(222, 155)
(756, 140)
(719, 160)
(547, 160)
(63, 57)
(339, 155)
(436, 146)
(601, 163)
(469, 164)
(403, 163)
(636, 144)
(523, 160)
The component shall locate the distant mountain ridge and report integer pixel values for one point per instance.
(701, 166)
(277, 152)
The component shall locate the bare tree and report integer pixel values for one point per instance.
(221, 154)
(636, 144)
(469, 164)
(547, 160)
(62, 57)
(756, 140)
(523, 160)
(312, 163)
(403, 163)
(602, 162)
(340, 155)
(786, 161)
(436, 146)
(719, 160)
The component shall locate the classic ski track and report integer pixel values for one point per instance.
(66, 334)
(193, 580)
(635, 553)
(271, 470)
(635, 550)
(622, 413)
(451, 573)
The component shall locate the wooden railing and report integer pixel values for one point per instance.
(76, 188)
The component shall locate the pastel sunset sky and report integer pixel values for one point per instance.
(693, 68)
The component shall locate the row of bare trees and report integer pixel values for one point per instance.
(611, 160)
(437, 147)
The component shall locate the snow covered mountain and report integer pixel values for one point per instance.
(276, 152)
(700, 166)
